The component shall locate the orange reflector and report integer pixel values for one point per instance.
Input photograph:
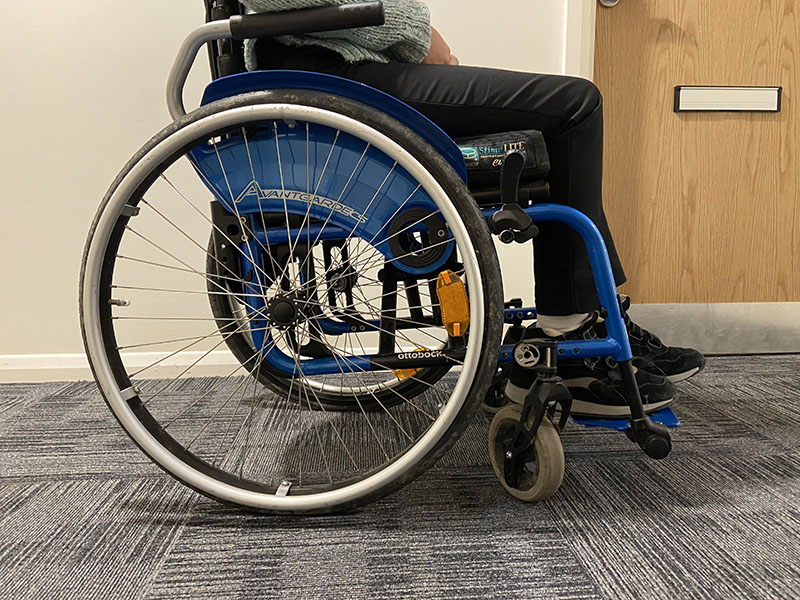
(453, 303)
(406, 373)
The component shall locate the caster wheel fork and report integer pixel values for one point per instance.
(524, 444)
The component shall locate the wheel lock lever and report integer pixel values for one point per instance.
(511, 223)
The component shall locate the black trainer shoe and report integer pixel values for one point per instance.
(596, 383)
(676, 363)
(597, 389)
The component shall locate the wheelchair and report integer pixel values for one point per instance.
(291, 299)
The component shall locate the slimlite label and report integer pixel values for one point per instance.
(489, 156)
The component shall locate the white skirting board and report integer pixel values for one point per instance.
(752, 328)
(740, 328)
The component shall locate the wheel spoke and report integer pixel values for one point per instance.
(242, 222)
(403, 398)
(338, 200)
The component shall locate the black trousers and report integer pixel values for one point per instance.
(467, 101)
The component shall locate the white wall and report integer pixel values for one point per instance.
(83, 89)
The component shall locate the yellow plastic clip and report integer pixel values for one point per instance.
(453, 303)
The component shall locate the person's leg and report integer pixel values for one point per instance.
(468, 101)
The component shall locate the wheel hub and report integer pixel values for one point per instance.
(283, 312)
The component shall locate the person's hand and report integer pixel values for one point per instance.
(439, 54)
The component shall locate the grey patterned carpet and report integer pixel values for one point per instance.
(83, 514)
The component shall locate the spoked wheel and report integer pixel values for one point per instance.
(349, 298)
(331, 306)
(540, 470)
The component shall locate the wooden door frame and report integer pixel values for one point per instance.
(579, 34)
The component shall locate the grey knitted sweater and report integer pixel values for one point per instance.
(405, 37)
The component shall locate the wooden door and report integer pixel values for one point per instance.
(705, 207)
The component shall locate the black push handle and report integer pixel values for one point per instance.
(309, 20)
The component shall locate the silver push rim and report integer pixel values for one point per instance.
(102, 368)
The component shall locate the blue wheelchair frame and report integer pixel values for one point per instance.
(616, 345)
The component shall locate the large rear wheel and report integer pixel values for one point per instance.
(342, 175)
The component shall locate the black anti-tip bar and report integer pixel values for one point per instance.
(309, 20)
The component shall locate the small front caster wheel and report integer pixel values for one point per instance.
(540, 469)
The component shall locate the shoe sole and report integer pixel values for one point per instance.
(683, 376)
(590, 409)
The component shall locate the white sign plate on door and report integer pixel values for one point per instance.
(727, 99)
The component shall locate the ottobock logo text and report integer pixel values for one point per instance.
(253, 190)
(418, 355)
